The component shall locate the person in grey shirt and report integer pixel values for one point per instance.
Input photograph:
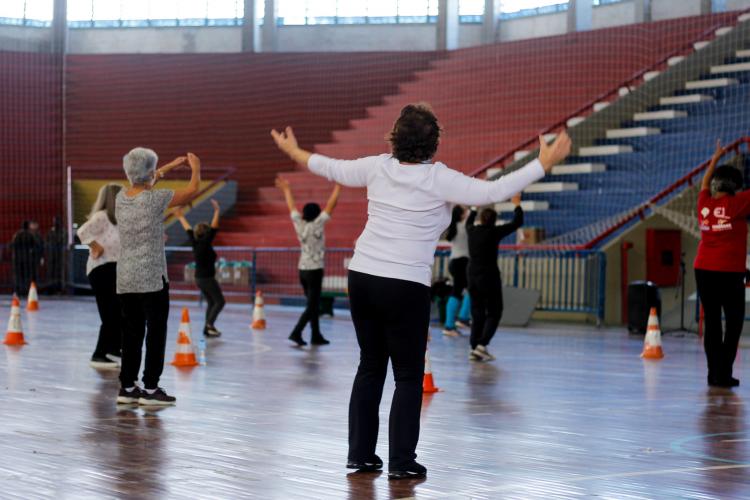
(309, 226)
(142, 284)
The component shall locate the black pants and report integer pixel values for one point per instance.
(312, 283)
(214, 298)
(391, 318)
(103, 281)
(24, 272)
(486, 292)
(457, 268)
(139, 312)
(721, 291)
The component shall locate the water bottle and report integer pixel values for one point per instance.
(202, 351)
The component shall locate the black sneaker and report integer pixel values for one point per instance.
(103, 363)
(413, 471)
(723, 382)
(125, 397)
(158, 398)
(370, 465)
(297, 339)
(319, 340)
(211, 331)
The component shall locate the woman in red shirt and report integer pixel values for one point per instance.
(720, 265)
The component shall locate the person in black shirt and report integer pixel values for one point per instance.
(202, 237)
(485, 285)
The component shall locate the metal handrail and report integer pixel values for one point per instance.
(636, 76)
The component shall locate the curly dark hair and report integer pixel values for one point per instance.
(415, 135)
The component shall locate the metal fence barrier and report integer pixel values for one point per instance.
(569, 280)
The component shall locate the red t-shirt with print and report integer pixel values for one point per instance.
(723, 225)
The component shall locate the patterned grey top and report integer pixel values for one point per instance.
(312, 240)
(142, 262)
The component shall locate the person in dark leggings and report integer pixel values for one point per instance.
(720, 265)
(142, 280)
(409, 207)
(201, 238)
(309, 226)
(485, 284)
(103, 239)
(458, 308)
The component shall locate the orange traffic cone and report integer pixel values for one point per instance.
(428, 383)
(32, 304)
(652, 343)
(185, 355)
(14, 335)
(259, 317)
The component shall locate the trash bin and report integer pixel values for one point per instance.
(642, 296)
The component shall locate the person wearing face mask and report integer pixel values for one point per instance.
(142, 282)
(720, 265)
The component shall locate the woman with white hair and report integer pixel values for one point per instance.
(101, 235)
(409, 206)
(142, 283)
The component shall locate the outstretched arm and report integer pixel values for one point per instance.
(185, 195)
(718, 153)
(285, 187)
(162, 171)
(455, 187)
(472, 217)
(515, 223)
(352, 173)
(217, 214)
(179, 212)
(333, 199)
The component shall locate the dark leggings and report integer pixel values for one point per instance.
(391, 318)
(139, 311)
(312, 283)
(457, 268)
(214, 298)
(721, 291)
(486, 294)
(103, 281)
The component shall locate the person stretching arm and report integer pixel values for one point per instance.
(185, 195)
(333, 199)
(718, 153)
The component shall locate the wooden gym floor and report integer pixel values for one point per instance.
(565, 412)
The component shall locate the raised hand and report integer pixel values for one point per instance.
(282, 183)
(552, 154)
(516, 200)
(215, 204)
(718, 152)
(179, 211)
(285, 140)
(193, 161)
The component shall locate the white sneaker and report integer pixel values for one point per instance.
(473, 356)
(451, 332)
(482, 352)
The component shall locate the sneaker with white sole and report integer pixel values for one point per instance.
(103, 363)
(483, 353)
(158, 398)
(463, 323)
(473, 356)
(126, 397)
(451, 332)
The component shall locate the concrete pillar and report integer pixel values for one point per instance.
(580, 14)
(642, 11)
(270, 37)
(706, 6)
(59, 32)
(249, 27)
(447, 25)
(491, 23)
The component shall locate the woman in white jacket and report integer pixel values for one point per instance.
(101, 235)
(409, 207)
